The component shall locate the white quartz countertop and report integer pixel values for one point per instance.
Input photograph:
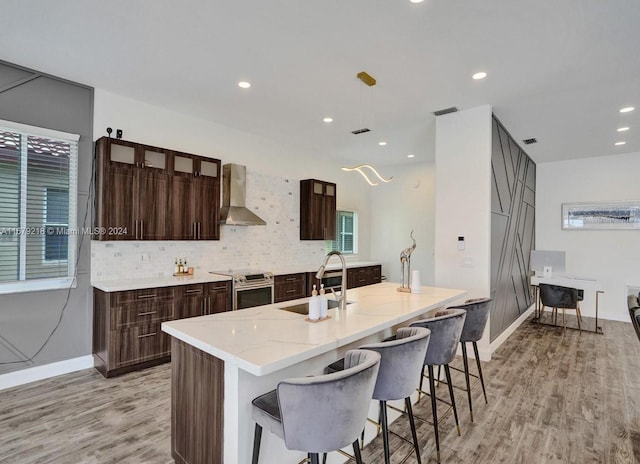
(265, 339)
(154, 282)
(333, 265)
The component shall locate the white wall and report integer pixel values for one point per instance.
(273, 172)
(463, 200)
(405, 204)
(610, 256)
(463, 205)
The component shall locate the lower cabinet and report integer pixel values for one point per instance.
(289, 287)
(202, 299)
(127, 333)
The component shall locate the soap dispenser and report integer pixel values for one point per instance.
(324, 304)
(314, 305)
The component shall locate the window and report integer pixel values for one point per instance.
(38, 189)
(346, 233)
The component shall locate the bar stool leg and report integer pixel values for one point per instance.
(257, 437)
(407, 403)
(453, 399)
(356, 452)
(475, 351)
(466, 377)
(314, 458)
(385, 431)
(421, 380)
(434, 410)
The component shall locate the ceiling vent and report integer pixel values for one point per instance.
(530, 141)
(452, 109)
(360, 131)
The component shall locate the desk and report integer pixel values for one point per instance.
(588, 306)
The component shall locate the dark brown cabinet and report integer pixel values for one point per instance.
(195, 198)
(317, 210)
(289, 287)
(149, 193)
(202, 299)
(127, 331)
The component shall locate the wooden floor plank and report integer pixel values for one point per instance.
(552, 399)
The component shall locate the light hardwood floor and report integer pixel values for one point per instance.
(551, 400)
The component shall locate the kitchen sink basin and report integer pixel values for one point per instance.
(303, 308)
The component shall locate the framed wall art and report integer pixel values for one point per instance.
(601, 215)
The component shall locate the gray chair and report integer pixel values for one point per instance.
(558, 297)
(320, 413)
(401, 360)
(474, 325)
(446, 328)
(634, 312)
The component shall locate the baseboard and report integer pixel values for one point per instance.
(32, 374)
(494, 345)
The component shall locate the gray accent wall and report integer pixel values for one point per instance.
(513, 197)
(27, 319)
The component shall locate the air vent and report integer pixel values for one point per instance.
(530, 141)
(360, 131)
(453, 109)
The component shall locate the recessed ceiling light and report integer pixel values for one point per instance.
(479, 75)
(244, 84)
(382, 144)
(416, 1)
(411, 156)
(627, 109)
(328, 119)
(623, 129)
(620, 143)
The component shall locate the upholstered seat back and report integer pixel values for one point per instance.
(401, 363)
(556, 296)
(634, 312)
(476, 320)
(446, 328)
(327, 412)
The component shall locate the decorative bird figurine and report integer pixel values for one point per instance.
(405, 260)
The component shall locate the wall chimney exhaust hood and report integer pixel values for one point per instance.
(234, 211)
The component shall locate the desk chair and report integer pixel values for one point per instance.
(558, 297)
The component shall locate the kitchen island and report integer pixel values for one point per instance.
(221, 362)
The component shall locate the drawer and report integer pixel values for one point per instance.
(290, 287)
(142, 312)
(139, 344)
(118, 298)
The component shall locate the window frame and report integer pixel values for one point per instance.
(336, 244)
(48, 283)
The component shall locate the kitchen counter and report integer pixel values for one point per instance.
(249, 351)
(204, 277)
(155, 282)
(334, 265)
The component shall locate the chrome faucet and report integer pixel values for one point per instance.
(342, 299)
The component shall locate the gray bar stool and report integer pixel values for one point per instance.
(474, 325)
(320, 413)
(398, 377)
(446, 328)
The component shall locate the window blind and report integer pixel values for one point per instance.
(38, 192)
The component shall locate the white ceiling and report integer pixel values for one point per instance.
(557, 70)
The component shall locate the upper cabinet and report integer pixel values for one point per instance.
(317, 210)
(150, 193)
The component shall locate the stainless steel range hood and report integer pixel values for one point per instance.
(234, 211)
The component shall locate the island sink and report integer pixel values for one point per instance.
(303, 308)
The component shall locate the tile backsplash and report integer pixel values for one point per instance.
(276, 246)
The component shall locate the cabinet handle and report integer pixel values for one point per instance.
(199, 231)
(291, 279)
(194, 290)
(141, 229)
(136, 229)
(153, 295)
(148, 313)
(193, 230)
(290, 291)
(148, 335)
